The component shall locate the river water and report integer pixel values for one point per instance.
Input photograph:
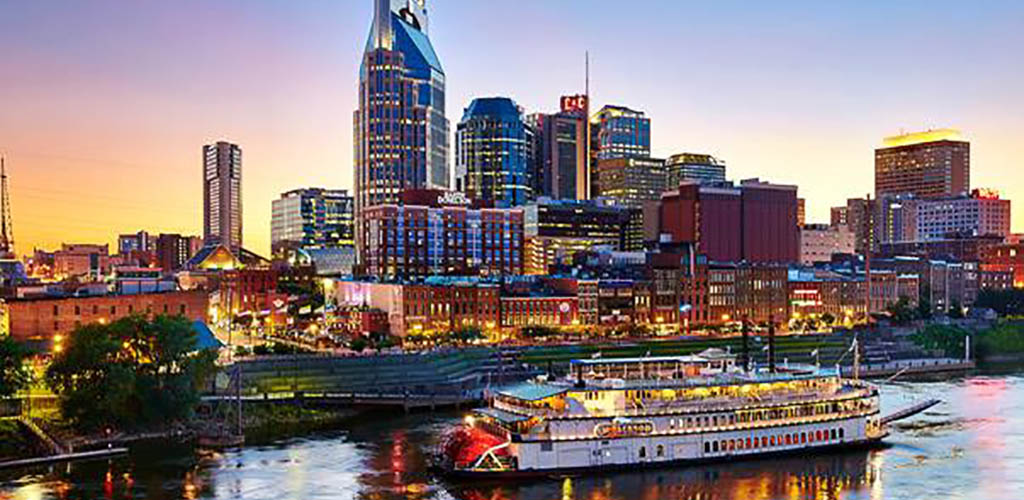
(969, 447)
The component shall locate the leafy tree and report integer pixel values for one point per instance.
(828, 319)
(924, 303)
(132, 372)
(1005, 302)
(901, 312)
(956, 311)
(358, 344)
(467, 334)
(14, 376)
(949, 339)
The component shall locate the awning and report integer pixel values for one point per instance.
(502, 415)
(531, 392)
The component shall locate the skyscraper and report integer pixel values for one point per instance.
(932, 164)
(494, 161)
(562, 161)
(222, 195)
(617, 132)
(311, 218)
(401, 133)
(695, 167)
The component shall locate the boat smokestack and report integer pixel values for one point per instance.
(771, 343)
(746, 347)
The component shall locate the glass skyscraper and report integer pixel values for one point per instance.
(493, 157)
(695, 167)
(617, 132)
(401, 133)
(311, 218)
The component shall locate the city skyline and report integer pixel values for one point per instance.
(108, 104)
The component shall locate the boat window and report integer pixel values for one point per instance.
(748, 443)
(660, 450)
(707, 447)
(714, 446)
(643, 452)
(841, 433)
(832, 433)
(546, 446)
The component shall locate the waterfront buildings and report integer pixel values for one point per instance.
(51, 318)
(434, 306)
(312, 218)
(401, 133)
(617, 132)
(222, 194)
(931, 164)
(81, 260)
(693, 167)
(494, 157)
(754, 221)
(818, 242)
(557, 229)
(561, 147)
(1005, 258)
(432, 232)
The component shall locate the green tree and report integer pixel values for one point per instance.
(949, 339)
(14, 375)
(901, 312)
(1005, 302)
(132, 372)
(828, 319)
(924, 303)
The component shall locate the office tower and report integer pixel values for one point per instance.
(138, 242)
(563, 167)
(174, 250)
(432, 232)
(694, 167)
(494, 161)
(838, 216)
(401, 133)
(631, 181)
(312, 218)
(801, 212)
(931, 164)
(222, 195)
(754, 221)
(617, 132)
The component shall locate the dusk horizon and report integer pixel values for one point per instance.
(107, 106)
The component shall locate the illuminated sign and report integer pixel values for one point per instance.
(622, 429)
(574, 102)
(986, 194)
(453, 198)
(564, 307)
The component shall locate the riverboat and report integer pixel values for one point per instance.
(651, 411)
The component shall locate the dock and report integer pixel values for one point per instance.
(64, 457)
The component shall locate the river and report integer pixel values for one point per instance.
(969, 447)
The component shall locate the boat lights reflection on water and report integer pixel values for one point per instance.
(825, 477)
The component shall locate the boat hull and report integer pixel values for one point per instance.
(484, 475)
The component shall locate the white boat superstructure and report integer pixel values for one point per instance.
(646, 411)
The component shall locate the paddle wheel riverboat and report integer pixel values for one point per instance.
(618, 413)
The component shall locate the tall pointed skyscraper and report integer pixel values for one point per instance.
(401, 133)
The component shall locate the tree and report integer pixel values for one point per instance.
(1005, 302)
(956, 311)
(901, 312)
(132, 372)
(924, 303)
(949, 339)
(14, 375)
(828, 318)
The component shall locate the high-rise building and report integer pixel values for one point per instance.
(631, 181)
(907, 218)
(222, 195)
(433, 232)
(312, 218)
(562, 158)
(401, 133)
(494, 161)
(801, 212)
(838, 216)
(694, 167)
(174, 250)
(138, 242)
(818, 242)
(754, 221)
(931, 164)
(617, 132)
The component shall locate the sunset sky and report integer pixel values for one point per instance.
(105, 105)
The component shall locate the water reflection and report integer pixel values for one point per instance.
(824, 477)
(968, 448)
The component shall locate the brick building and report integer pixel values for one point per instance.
(44, 317)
